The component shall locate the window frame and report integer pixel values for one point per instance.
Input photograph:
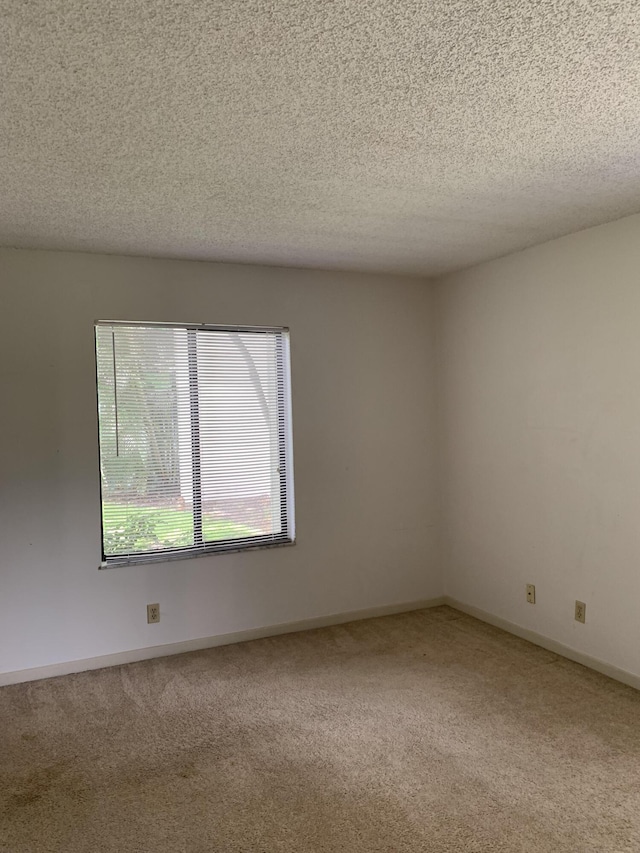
(285, 439)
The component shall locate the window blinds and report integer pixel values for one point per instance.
(194, 425)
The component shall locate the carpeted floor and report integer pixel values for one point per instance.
(428, 731)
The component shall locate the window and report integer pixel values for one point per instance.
(195, 440)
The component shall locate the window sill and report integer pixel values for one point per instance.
(171, 556)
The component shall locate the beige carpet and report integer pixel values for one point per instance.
(428, 731)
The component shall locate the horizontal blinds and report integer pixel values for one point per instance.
(193, 439)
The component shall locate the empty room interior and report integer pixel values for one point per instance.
(320, 426)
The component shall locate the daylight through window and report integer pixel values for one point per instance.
(195, 452)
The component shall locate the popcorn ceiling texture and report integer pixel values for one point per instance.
(392, 135)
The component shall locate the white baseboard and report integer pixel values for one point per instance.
(134, 655)
(547, 643)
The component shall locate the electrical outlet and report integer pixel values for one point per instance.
(153, 613)
(531, 593)
(581, 611)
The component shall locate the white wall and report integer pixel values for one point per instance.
(363, 402)
(539, 377)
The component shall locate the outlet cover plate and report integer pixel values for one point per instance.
(531, 593)
(581, 611)
(153, 613)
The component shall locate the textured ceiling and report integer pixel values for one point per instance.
(392, 135)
